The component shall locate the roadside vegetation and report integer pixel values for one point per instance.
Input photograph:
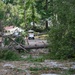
(54, 18)
(51, 70)
(9, 55)
(51, 20)
(62, 34)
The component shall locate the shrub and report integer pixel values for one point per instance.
(9, 55)
(20, 40)
(61, 42)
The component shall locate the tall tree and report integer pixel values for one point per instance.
(62, 35)
(43, 8)
(8, 1)
(25, 11)
(33, 15)
(2, 14)
(46, 13)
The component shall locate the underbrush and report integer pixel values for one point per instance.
(61, 42)
(47, 70)
(9, 55)
(30, 58)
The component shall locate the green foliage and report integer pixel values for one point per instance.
(62, 34)
(38, 69)
(31, 59)
(2, 9)
(8, 1)
(60, 12)
(22, 13)
(20, 40)
(6, 41)
(9, 55)
(69, 72)
(38, 29)
(61, 43)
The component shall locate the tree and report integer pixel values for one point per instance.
(2, 14)
(46, 13)
(61, 36)
(43, 8)
(8, 1)
(33, 15)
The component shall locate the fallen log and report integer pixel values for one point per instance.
(32, 46)
(20, 45)
(26, 47)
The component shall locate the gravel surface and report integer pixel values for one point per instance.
(22, 67)
(47, 67)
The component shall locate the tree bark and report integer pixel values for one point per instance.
(1, 33)
(46, 13)
(33, 46)
(46, 24)
(25, 13)
(33, 16)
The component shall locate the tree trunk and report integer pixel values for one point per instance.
(25, 13)
(1, 27)
(46, 24)
(52, 13)
(1, 34)
(46, 14)
(32, 46)
(33, 16)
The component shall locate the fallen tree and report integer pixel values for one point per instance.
(25, 47)
(32, 46)
(18, 46)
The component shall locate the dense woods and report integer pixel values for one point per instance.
(56, 16)
(62, 34)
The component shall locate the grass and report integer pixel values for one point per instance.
(44, 36)
(13, 55)
(9, 55)
(52, 70)
(31, 59)
(69, 72)
(45, 70)
(38, 69)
